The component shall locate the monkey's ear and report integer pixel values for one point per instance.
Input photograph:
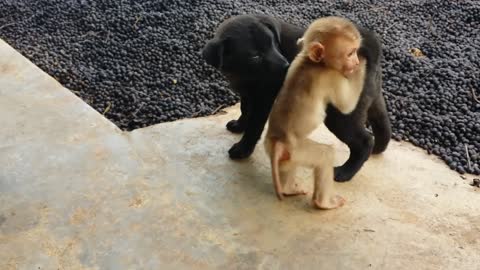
(212, 53)
(316, 52)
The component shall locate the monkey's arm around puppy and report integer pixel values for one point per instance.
(347, 93)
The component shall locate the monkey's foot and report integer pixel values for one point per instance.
(331, 203)
(293, 190)
(235, 126)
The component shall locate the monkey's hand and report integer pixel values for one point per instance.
(236, 126)
(240, 150)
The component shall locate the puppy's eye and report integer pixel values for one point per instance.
(255, 58)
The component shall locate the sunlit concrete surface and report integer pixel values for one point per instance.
(77, 193)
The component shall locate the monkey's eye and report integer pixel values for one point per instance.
(351, 53)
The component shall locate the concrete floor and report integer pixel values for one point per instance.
(77, 193)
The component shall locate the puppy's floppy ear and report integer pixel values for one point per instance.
(274, 27)
(212, 53)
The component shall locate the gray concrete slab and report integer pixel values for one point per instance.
(77, 193)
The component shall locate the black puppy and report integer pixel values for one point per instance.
(254, 51)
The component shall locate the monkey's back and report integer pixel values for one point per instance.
(299, 108)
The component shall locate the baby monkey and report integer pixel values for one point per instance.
(326, 71)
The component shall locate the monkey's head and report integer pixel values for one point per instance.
(247, 45)
(333, 42)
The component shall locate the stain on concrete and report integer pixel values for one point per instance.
(136, 202)
(22, 217)
(81, 215)
(2, 219)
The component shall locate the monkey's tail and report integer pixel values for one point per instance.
(382, 131)
(278, 149)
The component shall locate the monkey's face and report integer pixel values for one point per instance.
(247, 47)
(350, 60)
(340, 54)
(343, 55)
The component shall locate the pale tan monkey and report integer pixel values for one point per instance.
(326, 71)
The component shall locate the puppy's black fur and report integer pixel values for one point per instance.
(254, 52)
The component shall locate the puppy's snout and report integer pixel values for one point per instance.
(282, 63)
(278, 60)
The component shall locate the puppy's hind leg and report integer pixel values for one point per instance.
(378, 117)
(353, 133)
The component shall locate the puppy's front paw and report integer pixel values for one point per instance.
(235, 126)
(240, 151)
(342, 174)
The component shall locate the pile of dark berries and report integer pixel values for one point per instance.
(138, 62)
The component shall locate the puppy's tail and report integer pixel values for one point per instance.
(279, 153)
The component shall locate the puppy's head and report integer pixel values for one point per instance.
(212, 53)
(247, 45)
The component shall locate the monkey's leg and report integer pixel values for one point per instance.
(323, 194)
(287, 178)
(378, 118)
(238, 126)
(320, 158)
(261, 106)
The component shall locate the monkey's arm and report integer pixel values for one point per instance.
(344, 95)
